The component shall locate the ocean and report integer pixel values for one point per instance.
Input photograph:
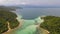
(32, 13)
(31, 19)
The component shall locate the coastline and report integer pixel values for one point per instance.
(20, 24)
(43, 31)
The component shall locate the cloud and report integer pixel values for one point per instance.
(30, 2)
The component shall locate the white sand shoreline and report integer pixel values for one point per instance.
(21, 21)
(20, 24)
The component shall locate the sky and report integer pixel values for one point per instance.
(31, 2)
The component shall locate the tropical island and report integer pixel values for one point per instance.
(51, 24)
(7, 19)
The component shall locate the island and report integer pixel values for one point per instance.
(7, 19)
(51, 24)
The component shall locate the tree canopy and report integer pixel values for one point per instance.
(7, 15)
(52, 24)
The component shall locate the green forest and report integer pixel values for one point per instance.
(52, 24)
(7, 16)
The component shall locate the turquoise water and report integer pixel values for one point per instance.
(28, 26)
(31, 19)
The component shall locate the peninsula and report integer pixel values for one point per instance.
(7, 19)
(51, 24)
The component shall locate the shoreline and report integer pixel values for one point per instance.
(20, 24)
(44, 31)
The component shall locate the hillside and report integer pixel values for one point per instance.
(52, 24)
(6, 16)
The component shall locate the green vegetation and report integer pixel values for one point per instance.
(8, 8)
(6, 15)
(52, 24)
(14, 23)
(3, 25)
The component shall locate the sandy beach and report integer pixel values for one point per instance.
(11, 30)
(41, 30)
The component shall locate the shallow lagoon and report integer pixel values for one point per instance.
(28, 27)
(29, 13)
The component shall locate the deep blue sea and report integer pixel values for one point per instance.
(31, 13)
